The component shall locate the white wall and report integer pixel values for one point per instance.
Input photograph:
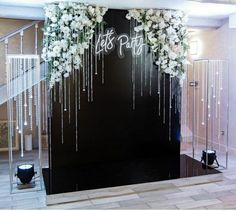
(220, 44)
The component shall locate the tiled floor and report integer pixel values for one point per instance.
(191, 193)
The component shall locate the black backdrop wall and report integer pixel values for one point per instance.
(116, 144)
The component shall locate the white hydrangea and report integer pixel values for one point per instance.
(167, 36)
(61, 48)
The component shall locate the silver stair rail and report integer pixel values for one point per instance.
(3, 89)
(18, 31)
(5, 39)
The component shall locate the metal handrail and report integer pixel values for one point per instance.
(11, 34)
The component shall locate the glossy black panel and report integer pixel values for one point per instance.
(116, 145)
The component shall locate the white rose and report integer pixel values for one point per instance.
(162, 24)
(146, 28)
(167, 15)
(150, 12)
(91, 10)
(54, 19)
(68, 68)
(61, 5)
(99, 19)
(73, 49)
(66, 75)
(85, 45)
(128, 16)
(158, 13)
(81, 50)
(56, 50)
(55, 63)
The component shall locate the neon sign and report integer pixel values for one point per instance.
(106, 43)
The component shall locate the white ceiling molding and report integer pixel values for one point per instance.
(201, 14)
(20, 12)
(205, 23)
(216, 1)
(232, 21)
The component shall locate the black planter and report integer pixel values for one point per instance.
(25, 173)
(208, 157)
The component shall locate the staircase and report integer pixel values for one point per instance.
(5, 41)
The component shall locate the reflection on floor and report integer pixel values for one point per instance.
(176, 194)
(128, 172)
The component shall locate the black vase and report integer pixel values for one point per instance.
(25, 173)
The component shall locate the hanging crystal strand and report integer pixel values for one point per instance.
(203, 92)
(145, 66)
(133, 63)
(79, 94)
(46, 103)
(10, 99)
(76, 112)
(103, 71)
(176, 101)
(62, 110)
(91, 69)
(30, 94)
(83, 66)
(65, 94)
(69, 98)
(88, 74)
(35, 93)
(12, 94)
(220, 88)
(25, 88)
(141, 72)
(21, 113)
(198, 100)
(17, 96)
(86, 71)
(51, 105)
(35, 98)
(208, 115)
(170, 107)
(150, 75)
(159, 89)
(10, 91)
(43, 105)
(210, 105)
(214, 79)
(55, 93)
(164, 98)
(21, 107)
(217, 86)
(95, 55)
(14, 88)
(219, 83)
(99, 34)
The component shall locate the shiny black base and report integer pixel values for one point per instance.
(122, 173)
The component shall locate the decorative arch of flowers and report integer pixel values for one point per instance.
(68, 29)
(165, 32)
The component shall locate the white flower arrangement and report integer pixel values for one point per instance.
(166, 33)
(68, 29)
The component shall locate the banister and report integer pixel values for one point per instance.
(11, 34)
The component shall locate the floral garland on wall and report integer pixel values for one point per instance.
(68, 29)
(166, 33)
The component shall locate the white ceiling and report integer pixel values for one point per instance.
(201, 14)
(193, 8)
